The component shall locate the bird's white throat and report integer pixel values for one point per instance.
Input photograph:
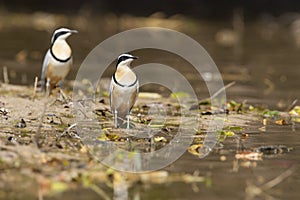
(61, 49)
(125, 75)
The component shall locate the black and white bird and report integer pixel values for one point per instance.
(124, 89)
(58, 60)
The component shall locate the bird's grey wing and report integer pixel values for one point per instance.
(45, 64)
(134, 96)
(137, 90)
(44, 69)
(110, 93)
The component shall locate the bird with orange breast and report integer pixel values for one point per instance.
(58, 60)
(124, 89)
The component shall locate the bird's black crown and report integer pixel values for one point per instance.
(124, 57)
(59, 34)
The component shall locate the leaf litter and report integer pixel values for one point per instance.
(45, 147)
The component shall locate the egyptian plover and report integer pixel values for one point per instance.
(124, 89)
(58, 60)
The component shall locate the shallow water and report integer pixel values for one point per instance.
(266, 71)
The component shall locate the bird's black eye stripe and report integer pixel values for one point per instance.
(122, 58)
(59, 34)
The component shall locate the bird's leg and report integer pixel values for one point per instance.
(62, 96)
(128, 116)
(48, 87)
(116, 118)
(129, 139)
(42, 85)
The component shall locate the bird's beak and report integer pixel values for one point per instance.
(134, 57)
(73, 31)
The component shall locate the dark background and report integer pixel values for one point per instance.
(209, 9)
(262, 57)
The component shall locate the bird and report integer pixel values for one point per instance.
(124, 89)
(57, 61)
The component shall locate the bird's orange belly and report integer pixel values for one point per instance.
(123, 99)
(56, 73)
